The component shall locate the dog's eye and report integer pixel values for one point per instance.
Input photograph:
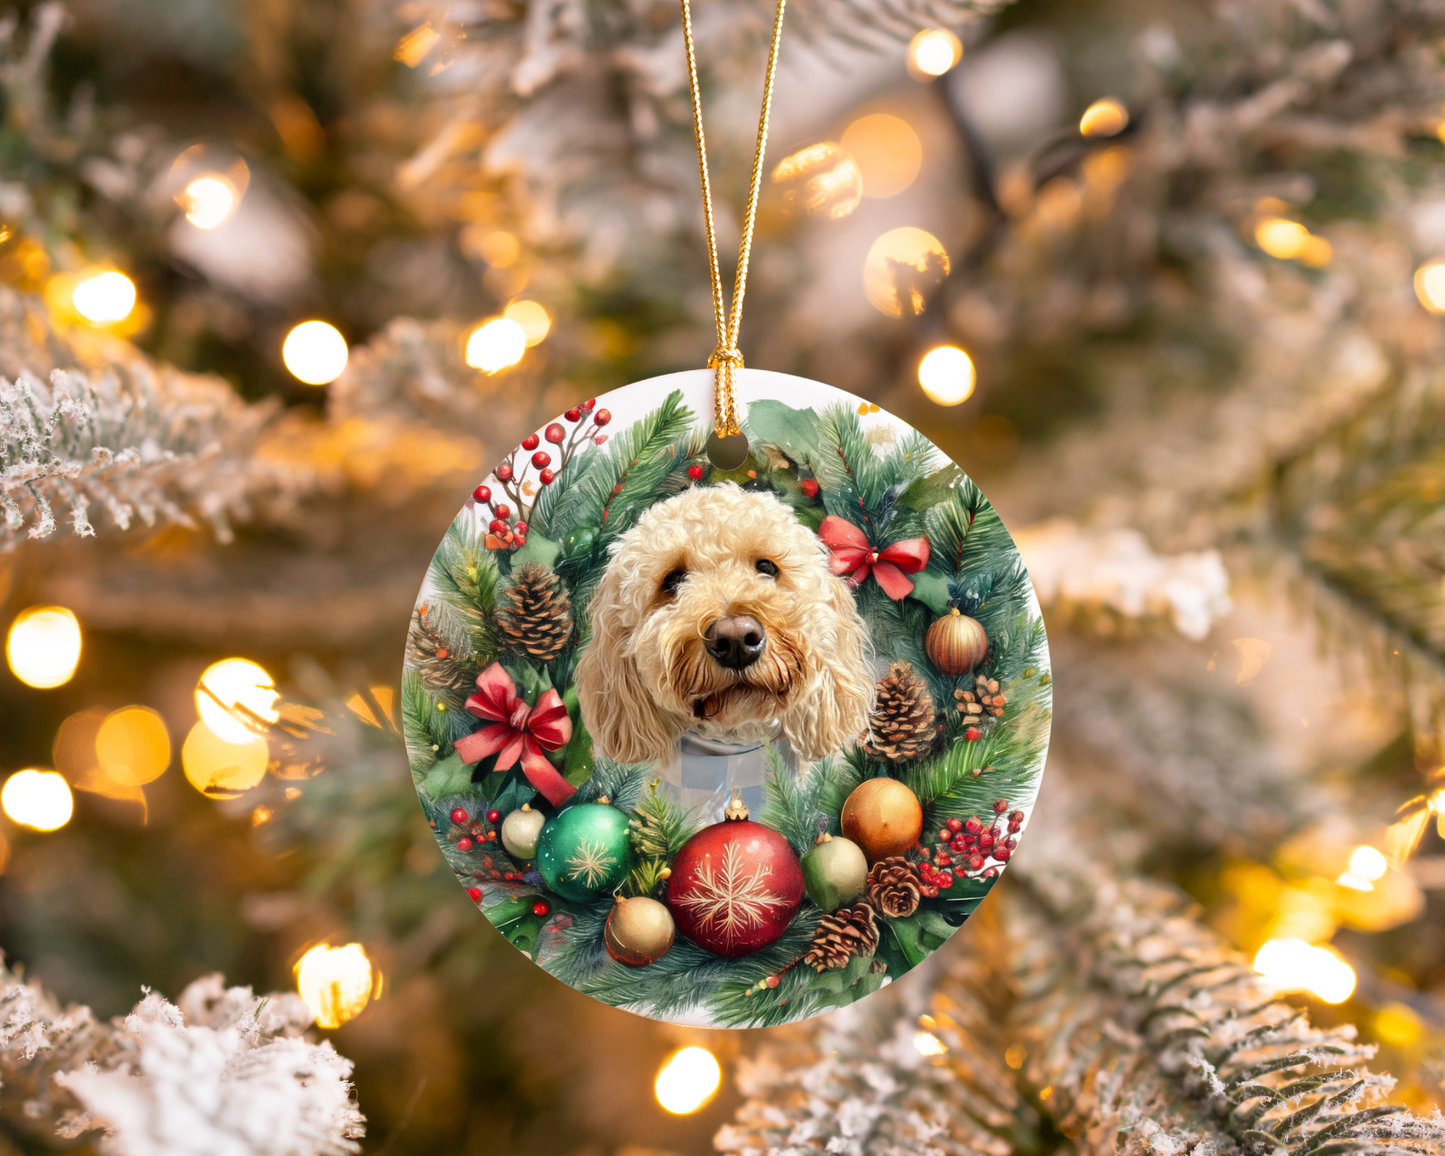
(767, 566)
(673, 581)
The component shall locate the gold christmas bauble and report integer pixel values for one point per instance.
(638, 931)
(883, 817)
(956, 643)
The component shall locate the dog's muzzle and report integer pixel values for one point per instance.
(735, 642)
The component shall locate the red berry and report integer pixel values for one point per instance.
(519, 541)
(474, 894)
(1002, 854)
(773, 981)
(1015, 826)
(1010, 843)
(973, 734)
(573, 415)
(588, 404)
(546, 477)
(464, 844)
(809, 487)
(542, 908)
(975, 862)
(498, 526)
(974, 825)
(504, 511)
(504, 472)
(555, 433)
(1000, 807)
(482, 494)
(530, 442)
(602, 417)
(493, 815)
(991, 873)
(931, 892)
(491, 836)
(521, 527)
(695, 473)
(944, 861)
(541, 458)
(945, 880)
(959, 847)
(460, 815)
(944, 835)
(1016, 817)
(985, 840)
(955, 824)
(599, 439)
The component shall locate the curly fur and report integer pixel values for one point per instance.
(645, 678)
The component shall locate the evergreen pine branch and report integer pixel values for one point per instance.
(658, 828)
(463, 575)
(796, 803)
(624, 785)
(949, 523)
(847, 468)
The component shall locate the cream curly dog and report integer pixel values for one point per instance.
(717, 614)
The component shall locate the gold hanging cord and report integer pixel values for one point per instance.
(726, 359)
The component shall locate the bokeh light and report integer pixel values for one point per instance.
(1430, 286)
(235, 682)
(902, 268)
(104, 298)
(1398, 1024)
(495, 345)
(1294, 965)
(219, 768)
(688, 1080)
(1368, 863)
(132, 746)
(315, 352)
(822, 179)
(335, 982)
(946, 375)
(933, 52)
(1290, 241)
(38, 799)
(928, 1044)
(887, 150)
(209, 200)
(1105, 117)
(43, 646)
(531, 317)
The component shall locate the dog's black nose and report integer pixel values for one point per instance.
(736, 642)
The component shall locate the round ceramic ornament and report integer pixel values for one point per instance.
(727, 746)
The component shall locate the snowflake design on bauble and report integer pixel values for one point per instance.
(732, 901)
(591, 864)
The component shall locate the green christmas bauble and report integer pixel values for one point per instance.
(584, 850)
(520, 831)
(835, 872)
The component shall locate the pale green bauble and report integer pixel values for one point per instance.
(520, 831)
(835, 872)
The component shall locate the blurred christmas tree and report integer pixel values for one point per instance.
(1185, 264)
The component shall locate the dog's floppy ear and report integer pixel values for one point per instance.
(621, 716)
(838, 708)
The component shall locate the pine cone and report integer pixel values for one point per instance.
(847, 932)
(982, 702)
(894, 887)
(538, 621)
(901, 728)
(442, 669)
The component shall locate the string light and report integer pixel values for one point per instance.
(933, 52)
(235, 682)
(902, 267)
(531, 317)
(219, 768)
(315, 352)
(38, 799)
(1294, 965)
(104, 298)
(43, 647)
(335, 982)
(687, 1081)
(132, 746)
(496, 344)
(209, 200)
(946, 375)
(821, 178)
(887, 150)
(1105, 117)
(1430, 286)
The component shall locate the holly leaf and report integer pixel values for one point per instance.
(538, 549)
(931, 588)
(795, 431)
(577, 766)
(838, 987)
(926, 492)
(514, 919)
(448, 776)
(934, 929)
(908, 935)
(531, 680)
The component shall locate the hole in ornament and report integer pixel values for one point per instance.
(727, 453)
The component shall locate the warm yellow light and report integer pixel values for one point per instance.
(208, 200)
(315, 352)
(413, 48)
(687, 1080)
(39, 799)
(946, 375)
(1430, 286)
(888, 152)
(132, 746)
(496, 345)
(1294, 965)
(902, 268)
(103, 298)
(928, 1044)
(1368, 863)
(43, 647)
(1281, 238)
(821, 178)
(235, 682)
(1105, 117)
(219, 768)
(531, 317)
(933, 52)
(335, 982)
(1398, 1024)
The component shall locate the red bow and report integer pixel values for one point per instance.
(853, 556)
(518, 731)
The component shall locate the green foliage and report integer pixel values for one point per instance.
(800, 806)
(659, 826)
(622, 784)
(463, 573)
(864, 486)
(430, 731)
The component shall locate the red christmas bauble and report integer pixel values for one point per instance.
(735, 887)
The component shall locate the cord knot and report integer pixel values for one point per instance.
(730, 357)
